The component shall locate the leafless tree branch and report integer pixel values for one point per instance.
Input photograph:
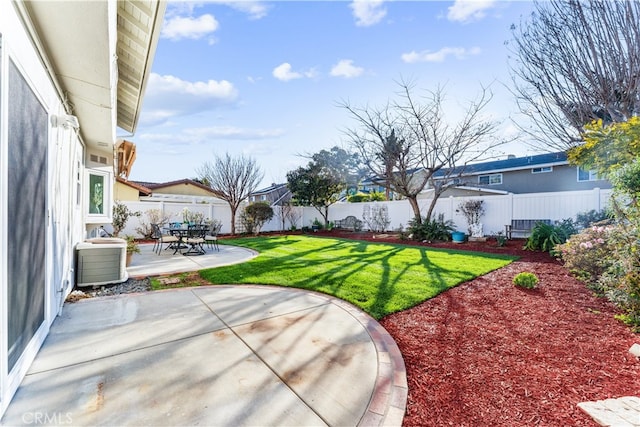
(408, 141)
(234, 178)
(576, 61)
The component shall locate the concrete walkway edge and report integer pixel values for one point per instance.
(389, 398)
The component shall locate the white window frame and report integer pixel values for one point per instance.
(105, 216)
(593, 175)
(543, 169)
(491, 179)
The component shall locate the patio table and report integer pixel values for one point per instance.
(189, 237)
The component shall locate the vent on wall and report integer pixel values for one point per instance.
(98, 159)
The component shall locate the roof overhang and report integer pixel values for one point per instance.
(517, 168)
(100, 53)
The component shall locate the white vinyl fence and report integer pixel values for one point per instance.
(499, 210)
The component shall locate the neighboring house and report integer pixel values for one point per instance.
(541, 173)
(183, 187)
(275, 195)
(71, 72)
(129, 191)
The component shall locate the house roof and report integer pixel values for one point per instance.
(269, 189)
(494, 166)
(100, 55)
(159, 185)
(515, 163)
(141, 188)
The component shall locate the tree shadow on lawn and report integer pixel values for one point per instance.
(367, 275)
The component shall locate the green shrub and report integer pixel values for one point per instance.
(588, 255)
(621, 281)
(589, 218)
(377, 196)
(434, 230)
(544, 237)
(358, 198)
(501, 239)
(374, 196)
(526, 280)
(255, 215)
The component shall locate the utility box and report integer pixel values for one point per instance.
(101, 261)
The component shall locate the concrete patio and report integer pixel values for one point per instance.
(149, 263)
(215, 355)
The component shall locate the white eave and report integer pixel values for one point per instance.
(469, 188)
(99, 53)
(515, 168)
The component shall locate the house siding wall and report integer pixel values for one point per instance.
(124, 192)
(561, 178)
(64, 225)
(184, 189)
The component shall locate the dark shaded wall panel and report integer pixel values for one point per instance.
(26, 217)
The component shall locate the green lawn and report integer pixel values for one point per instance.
(379, 278)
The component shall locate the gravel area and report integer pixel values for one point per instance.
(130, 286)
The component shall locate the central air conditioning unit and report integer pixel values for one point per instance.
(101, 261)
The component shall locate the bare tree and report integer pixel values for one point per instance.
(576, 61)
(234, 178)
(292, 213)
(408, 144)
(287, 212)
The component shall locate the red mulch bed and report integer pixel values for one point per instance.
(487, 353)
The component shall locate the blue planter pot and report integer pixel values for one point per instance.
(457, 237)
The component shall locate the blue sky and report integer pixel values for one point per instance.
(265, 78)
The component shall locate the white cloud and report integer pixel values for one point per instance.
(255, 9)
(345, 68)
(169, 96)
(231, 132)
(283, 72)
(368, 12)
(184, 140)
(469, 10)
(440, 55)
(179, 27)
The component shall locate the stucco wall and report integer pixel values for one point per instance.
(184, 189)
(124, 192)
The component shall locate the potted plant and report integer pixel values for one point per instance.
(132, 248)
(457, 236)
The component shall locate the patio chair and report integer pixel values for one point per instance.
(195, 239)
(160, 238)
(211, 237)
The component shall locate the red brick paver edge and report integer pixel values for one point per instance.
(389, 398)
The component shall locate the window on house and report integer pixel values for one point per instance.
(96, 194)
(263, 197)
(542, 169)
(493, 179)
(587, 175)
